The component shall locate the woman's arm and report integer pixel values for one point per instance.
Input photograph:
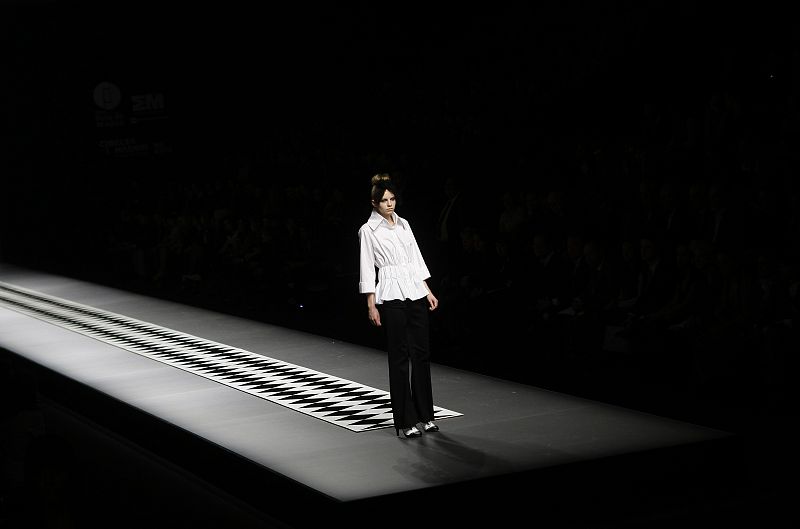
(366, 283)
(366, 280)
(372, 310)
(432, 301)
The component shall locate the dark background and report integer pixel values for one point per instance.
(236, 173)
(233, 173)
(279, 116)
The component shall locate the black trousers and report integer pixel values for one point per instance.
(407, 342)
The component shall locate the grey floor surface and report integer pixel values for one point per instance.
(505, 428)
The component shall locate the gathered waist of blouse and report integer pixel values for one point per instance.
(404, 271)
(399, 282)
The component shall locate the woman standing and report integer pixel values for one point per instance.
(401, 292)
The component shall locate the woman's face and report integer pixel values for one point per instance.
(386, 206)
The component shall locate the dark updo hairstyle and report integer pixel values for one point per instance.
(381, 183)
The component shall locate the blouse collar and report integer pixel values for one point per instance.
(376, 218)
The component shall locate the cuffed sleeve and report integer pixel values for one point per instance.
(366, 281)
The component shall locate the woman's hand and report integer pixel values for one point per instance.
(374, 315)
(432, 301)
(372, 310)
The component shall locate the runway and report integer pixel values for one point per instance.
(189, 387)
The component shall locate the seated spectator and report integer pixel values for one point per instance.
(512, 215)
(656, 278)
(602, 288)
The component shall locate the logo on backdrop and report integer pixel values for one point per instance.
(132, 125)
(107, 95)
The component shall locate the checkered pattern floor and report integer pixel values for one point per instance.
(338, 401)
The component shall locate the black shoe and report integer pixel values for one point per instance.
(409, 432)
(430, 426)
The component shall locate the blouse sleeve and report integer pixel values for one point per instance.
(419, 262)
(366, 281)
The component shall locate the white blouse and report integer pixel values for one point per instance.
(394, 252)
